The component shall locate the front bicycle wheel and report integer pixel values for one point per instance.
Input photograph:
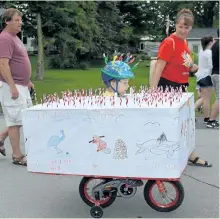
(171, 200)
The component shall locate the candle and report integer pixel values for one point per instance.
(126, 101)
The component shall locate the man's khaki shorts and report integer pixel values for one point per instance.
(215, 81)
(12, 109)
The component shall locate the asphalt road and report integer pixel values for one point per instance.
(24, 195)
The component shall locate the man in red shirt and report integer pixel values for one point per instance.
(15, 74)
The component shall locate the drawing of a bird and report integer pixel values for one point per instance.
(54, 141)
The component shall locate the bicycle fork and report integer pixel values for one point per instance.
(161, 186)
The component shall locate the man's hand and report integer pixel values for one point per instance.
(30, 85)
(14, 92)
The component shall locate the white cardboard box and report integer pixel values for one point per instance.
(148, 141)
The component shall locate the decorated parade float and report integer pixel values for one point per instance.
(148, 134)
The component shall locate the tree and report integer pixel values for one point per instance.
(206, 12)
(109, 24)
(73, 26)
(79, 29)
(36, 14)
(40, 57)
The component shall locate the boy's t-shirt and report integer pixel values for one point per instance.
(176, 53)
(108, 94)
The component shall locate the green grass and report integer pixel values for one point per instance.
(56, 80)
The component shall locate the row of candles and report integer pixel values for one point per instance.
(143, 96)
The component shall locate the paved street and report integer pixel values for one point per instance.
(26, 195)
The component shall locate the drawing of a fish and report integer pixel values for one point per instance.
(159, 146)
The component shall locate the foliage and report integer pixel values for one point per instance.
(82, 30)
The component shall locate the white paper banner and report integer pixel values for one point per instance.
(120, 141)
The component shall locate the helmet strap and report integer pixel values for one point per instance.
(115, 90)
(117, 86)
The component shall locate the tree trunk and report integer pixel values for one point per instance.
(40, 57)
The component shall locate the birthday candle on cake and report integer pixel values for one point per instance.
(100, 91)
(97, 100)
(126, 101)
(110, 100)
(50, 99)
(42, 100)
(114, 99)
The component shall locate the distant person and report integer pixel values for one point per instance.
(15, 74)
(199, 101)
(204, 80)
(174, 64)
(213, 123)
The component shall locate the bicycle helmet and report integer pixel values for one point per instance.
(116, 70)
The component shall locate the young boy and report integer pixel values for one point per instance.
(116, 75)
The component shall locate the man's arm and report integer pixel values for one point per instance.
(6, 74)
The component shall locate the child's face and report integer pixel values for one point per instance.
(122, 86)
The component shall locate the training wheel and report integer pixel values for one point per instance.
(96, 212)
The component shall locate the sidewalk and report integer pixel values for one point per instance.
(26, 195)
